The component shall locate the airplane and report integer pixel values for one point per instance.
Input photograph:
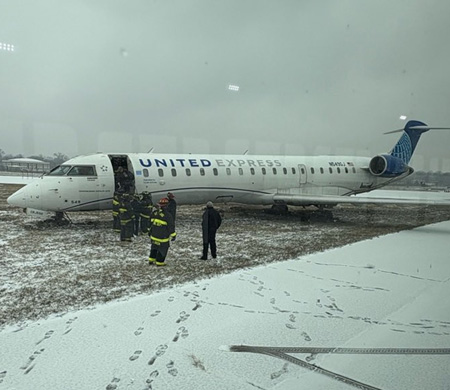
(88, 182)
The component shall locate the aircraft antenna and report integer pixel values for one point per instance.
(245, 152)
(151, 150)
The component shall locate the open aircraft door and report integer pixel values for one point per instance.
(122, 161)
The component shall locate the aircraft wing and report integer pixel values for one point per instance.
(374, 197)
(16, 179)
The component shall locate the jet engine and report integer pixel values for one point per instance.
(385, 165)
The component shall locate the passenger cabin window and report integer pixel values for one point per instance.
(312, 170)
(338, 170)
(215, 172)
(60, 170)
(202, 171)
(241, 171)
(321, 170)
(354, 170)
(293, 171)
(252, 171)
(188, 172)
(274, 170)
(160, 172)
(263, 170)
(228, 171)
(330, 169)
(303, 171)
(82, 170)
(346, 170)
(285, 171)
(174, 172)
(145, 170)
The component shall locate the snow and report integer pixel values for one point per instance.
(391, 291)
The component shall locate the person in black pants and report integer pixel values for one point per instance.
(162, 232)
(211, 221)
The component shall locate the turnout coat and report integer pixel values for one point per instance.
(162, 227)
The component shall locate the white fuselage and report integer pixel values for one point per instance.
(196, 179)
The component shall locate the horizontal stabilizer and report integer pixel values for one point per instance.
(422, 128)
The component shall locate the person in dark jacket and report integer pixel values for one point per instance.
(172, 206)
(211, 221)
(124, 179)
(162, 232)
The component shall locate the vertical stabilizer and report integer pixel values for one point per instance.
(407, 143)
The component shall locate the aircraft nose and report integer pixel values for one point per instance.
(19, 198)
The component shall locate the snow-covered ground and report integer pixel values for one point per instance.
(390, 291)
(170, 328)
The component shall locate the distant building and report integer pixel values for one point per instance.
(25, 165)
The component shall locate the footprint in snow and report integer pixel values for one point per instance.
(153, 375)
(161, 350)
(113, 385)
(138, 332)
(183, 317)
(69, 322)
(290, 326)
(171, 369)
(28, 365)
(46, 336)
(135, 355)
(182, 331)
(306, 336)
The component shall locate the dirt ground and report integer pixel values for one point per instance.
(47, 268)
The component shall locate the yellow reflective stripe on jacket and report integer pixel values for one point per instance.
(158, 222)
(159, 239)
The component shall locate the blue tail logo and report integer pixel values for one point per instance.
(407, 143)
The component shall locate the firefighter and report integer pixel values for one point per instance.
(115, 212)
(126, 217)
(172, 206)
(146, 211)
(162, 231)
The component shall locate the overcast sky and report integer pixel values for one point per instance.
(314, 77)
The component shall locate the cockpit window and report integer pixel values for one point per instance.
(60, 170)
(82, 170)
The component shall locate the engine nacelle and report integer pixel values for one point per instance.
(385, 165)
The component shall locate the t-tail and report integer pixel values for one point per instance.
(395, 163)
(407, 143)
